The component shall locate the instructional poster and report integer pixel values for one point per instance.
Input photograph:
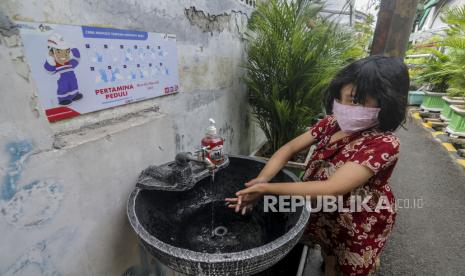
(79, 69)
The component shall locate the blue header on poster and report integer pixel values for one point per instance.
(108, 33)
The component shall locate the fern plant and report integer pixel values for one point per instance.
(292, 56)
(455, 43)
(434, 71)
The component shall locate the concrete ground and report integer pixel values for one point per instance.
(428, 239)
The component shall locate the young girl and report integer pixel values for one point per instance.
(355, 155)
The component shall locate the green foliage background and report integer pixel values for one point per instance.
(292, 56)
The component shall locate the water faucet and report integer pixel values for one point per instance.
(181, 174)
(209, 164)
(184, 157)
(203, 157)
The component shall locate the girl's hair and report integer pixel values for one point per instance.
(385, 79)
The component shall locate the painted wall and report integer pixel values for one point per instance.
(64, 186)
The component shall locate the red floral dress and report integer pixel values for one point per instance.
(355, 238)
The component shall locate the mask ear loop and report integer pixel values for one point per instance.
(354, 101)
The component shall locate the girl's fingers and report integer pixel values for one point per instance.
(247, 208)
(249, 184)
(239, 201)
(245, 191)
(239, 193)
(233, 206)
(231, 199)
(243, 209)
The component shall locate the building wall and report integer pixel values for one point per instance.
(348, 12)
(64, 185)
(433, 24)
(339, 11)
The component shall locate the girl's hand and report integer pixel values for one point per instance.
(255, 189)
(246, 198)
(256, 181)
(247, 202)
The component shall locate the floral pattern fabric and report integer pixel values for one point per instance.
(355, 238)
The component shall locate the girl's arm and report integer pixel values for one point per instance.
(272, 167)
(284, 154)
(344, 180)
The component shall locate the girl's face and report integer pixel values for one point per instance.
(347, 97)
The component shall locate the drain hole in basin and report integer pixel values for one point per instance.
(220, 231)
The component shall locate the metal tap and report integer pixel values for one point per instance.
(180, 175)
(184, 157)
(202, 157)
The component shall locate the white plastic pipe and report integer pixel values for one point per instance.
(303, 260)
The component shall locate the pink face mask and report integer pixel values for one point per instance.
(353, 118)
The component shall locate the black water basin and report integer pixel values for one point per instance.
(193, 231)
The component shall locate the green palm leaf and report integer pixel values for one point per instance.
(290, 64)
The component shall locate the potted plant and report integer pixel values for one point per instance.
(292, 56)
(449, 100)
(435, 78)
(457, 121)
(455, 43)
(415, 59)
(415, 95)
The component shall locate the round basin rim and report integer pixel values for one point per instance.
(190, 255)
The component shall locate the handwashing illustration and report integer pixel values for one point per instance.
(62, 60)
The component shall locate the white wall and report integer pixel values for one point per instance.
(64, 186)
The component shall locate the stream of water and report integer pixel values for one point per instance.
(212, 223)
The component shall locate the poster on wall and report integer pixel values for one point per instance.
(81, 69)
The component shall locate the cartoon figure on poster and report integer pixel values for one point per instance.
(62, 59)
(82, 69)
